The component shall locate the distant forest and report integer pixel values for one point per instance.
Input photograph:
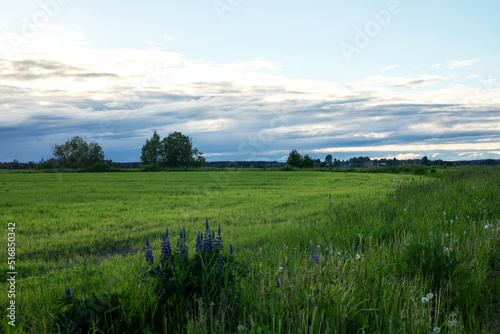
(356, 162)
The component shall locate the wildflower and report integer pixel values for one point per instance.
(166, 249)
(280, 269)
(314, 254)
(231, 252)
(277, 282)
(430, 295)
(219, 262)
(208, 241)
(425, 300)
(452, 323)
(357, 257)
(199, 241)
(68, 291)
(182, 248)
(149, 252)
(445, 249)
(218, 240)
(240, 328)
(437, 330)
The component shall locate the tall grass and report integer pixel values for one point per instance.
(423, 258)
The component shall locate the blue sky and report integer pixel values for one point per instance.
(252, 80)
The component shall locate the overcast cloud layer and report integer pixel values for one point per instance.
(58, 86)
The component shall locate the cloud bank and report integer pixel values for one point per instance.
(58, 87)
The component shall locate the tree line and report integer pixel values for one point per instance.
(176, 150)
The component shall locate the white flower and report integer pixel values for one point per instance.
(444, 213)
(357, 256)
(430, 295)
(445, 249)
(437, 330)
(447, 234)
(452, 323)
(280, 269)
(425, 300)
(241, 328)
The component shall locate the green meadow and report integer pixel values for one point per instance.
(314, 252)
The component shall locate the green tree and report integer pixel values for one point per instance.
(199, 159)
(175, 150)
(77, 153)
(294, 159)
(307, 162)
(152, 150)
(328, 160)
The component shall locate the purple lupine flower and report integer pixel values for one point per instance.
(218, 240)
(166, 249)
(182, 248)
(314, 254)
(160, 271)
(149, 256)
(68, 291)
(219, 262)
(277, 282)
(149, 252)
(199, 241)
(207, 239)
(231, 252)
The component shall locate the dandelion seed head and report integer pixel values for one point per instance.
(357, 256)
(241, 328)
(425, 300)
(437, 330)
(430, 295)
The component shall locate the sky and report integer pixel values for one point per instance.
(252, 80)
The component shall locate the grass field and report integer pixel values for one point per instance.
(382, 243)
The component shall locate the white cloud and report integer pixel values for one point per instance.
(436, 65)
(462, 63)
(390, 67)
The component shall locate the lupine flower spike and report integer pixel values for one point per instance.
(314, 254)
(166, 249)
(149, 252)
(182, 248)
(208, 239)
(218, 241)
(68, 291)
(219, 262)
(277, 282)
(231, 252)
(199, 241)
